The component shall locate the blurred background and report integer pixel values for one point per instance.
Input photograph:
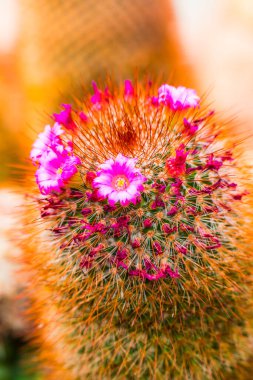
(50, 50)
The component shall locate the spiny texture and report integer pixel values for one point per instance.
(145, 268)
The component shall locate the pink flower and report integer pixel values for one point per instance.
(228, 156)
(90, 176)
(119, 181)
(99, 96)
(157, 248)
(172, 211)
(129, 90)
(213, 164)
(83, 117)
(238, 197)
(167, 229)
(177, 98)
(154, 101)
(147, 223)
(55, 170)
(65, 118)
(157, 203)
(190, 128)
(49, 139)
(177, 166)
(86, 211)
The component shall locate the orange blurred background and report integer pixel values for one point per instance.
(50, 50)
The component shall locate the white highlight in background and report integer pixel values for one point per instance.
(8, 25)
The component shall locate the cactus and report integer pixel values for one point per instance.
(140, 261)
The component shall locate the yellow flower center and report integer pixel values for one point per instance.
(120, 183)
(59, 171)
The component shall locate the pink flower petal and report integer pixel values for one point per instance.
(119, 180)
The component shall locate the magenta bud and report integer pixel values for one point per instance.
(86, 211)
(147, 223)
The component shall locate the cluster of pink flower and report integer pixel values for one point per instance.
(56, 161)
(122, 258)
(135, 214)
(117, 180)
(154, 199)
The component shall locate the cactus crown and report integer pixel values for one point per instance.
(142, 200)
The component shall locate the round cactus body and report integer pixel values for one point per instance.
(143, 268)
